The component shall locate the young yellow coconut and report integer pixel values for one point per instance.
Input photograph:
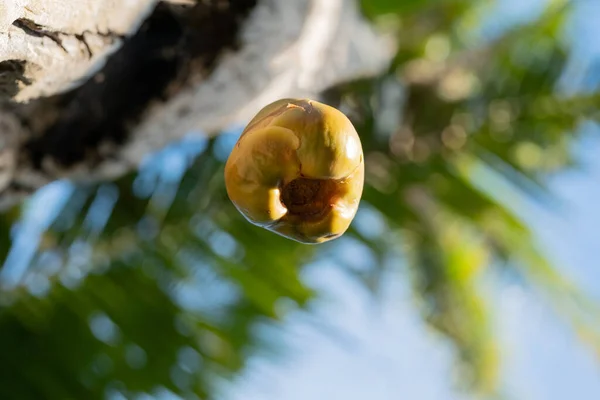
(297, 170)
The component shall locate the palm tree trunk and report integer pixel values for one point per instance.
(89, 88)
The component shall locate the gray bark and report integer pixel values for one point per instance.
(52, 45)
(50, 48)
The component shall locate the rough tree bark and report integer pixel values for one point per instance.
(89, 87)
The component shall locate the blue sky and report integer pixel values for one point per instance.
(390, 354)
(386, 352)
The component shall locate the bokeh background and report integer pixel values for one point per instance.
(470, 271)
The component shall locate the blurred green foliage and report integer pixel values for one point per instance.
(168, 292)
